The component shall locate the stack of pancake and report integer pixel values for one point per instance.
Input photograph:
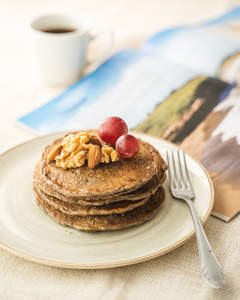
(109, 197)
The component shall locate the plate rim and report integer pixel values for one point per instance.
(122, 262)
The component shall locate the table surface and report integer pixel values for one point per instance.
(175, 275)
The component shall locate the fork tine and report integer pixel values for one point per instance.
(169, 173)
(174, 171)
(186, 170)
(180, 169)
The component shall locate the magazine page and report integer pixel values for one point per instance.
(202, 117)
(130, 85)
(212, 48)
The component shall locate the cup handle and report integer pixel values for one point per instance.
(101, 57)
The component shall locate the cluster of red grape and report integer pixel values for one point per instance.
(114, 131)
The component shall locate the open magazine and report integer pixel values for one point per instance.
(182, 84)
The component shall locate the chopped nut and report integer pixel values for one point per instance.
(94, 156)
(54, 152)
(114, 156)
(76, 148)
(95, 140)
(84, 139)
(107, 153)
(105, 157)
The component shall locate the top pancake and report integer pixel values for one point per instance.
(107, 179)
(144, 191)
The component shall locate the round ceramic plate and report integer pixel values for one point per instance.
(27, 231)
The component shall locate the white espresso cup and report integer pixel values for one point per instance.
(59, 45)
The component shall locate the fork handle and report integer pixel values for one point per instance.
(210, 267)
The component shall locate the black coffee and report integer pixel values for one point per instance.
(59, 30)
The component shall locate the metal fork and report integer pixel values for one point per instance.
(210, 267)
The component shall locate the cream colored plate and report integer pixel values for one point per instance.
(25, 230)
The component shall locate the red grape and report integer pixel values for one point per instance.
(111, 129)
(127, 146)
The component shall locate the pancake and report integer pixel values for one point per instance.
(145, 191)
(106, 180)
(136, 216)
(83, 210)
